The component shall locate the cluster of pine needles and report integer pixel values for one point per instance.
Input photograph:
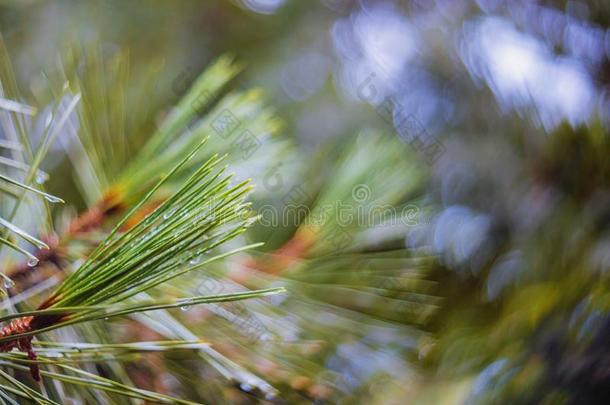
(169, 210)
(166, 225)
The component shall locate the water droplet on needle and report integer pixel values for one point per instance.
(169, 213)
(41, 178)
(8, 283)
(52, 199)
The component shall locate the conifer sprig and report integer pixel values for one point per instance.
(196, 205)
(204, 213)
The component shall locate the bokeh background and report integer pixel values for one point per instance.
(484, 122)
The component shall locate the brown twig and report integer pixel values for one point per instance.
(15, 327)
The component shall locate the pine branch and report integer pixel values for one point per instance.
(172, 140)
(161, 233)
(204, 213)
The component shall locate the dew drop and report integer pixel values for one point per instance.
(8, 283)
(32, 261)
(52, 199)
(169, 214)
(195, 260)
(245, 387)
(41, 178)
(185, 308)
